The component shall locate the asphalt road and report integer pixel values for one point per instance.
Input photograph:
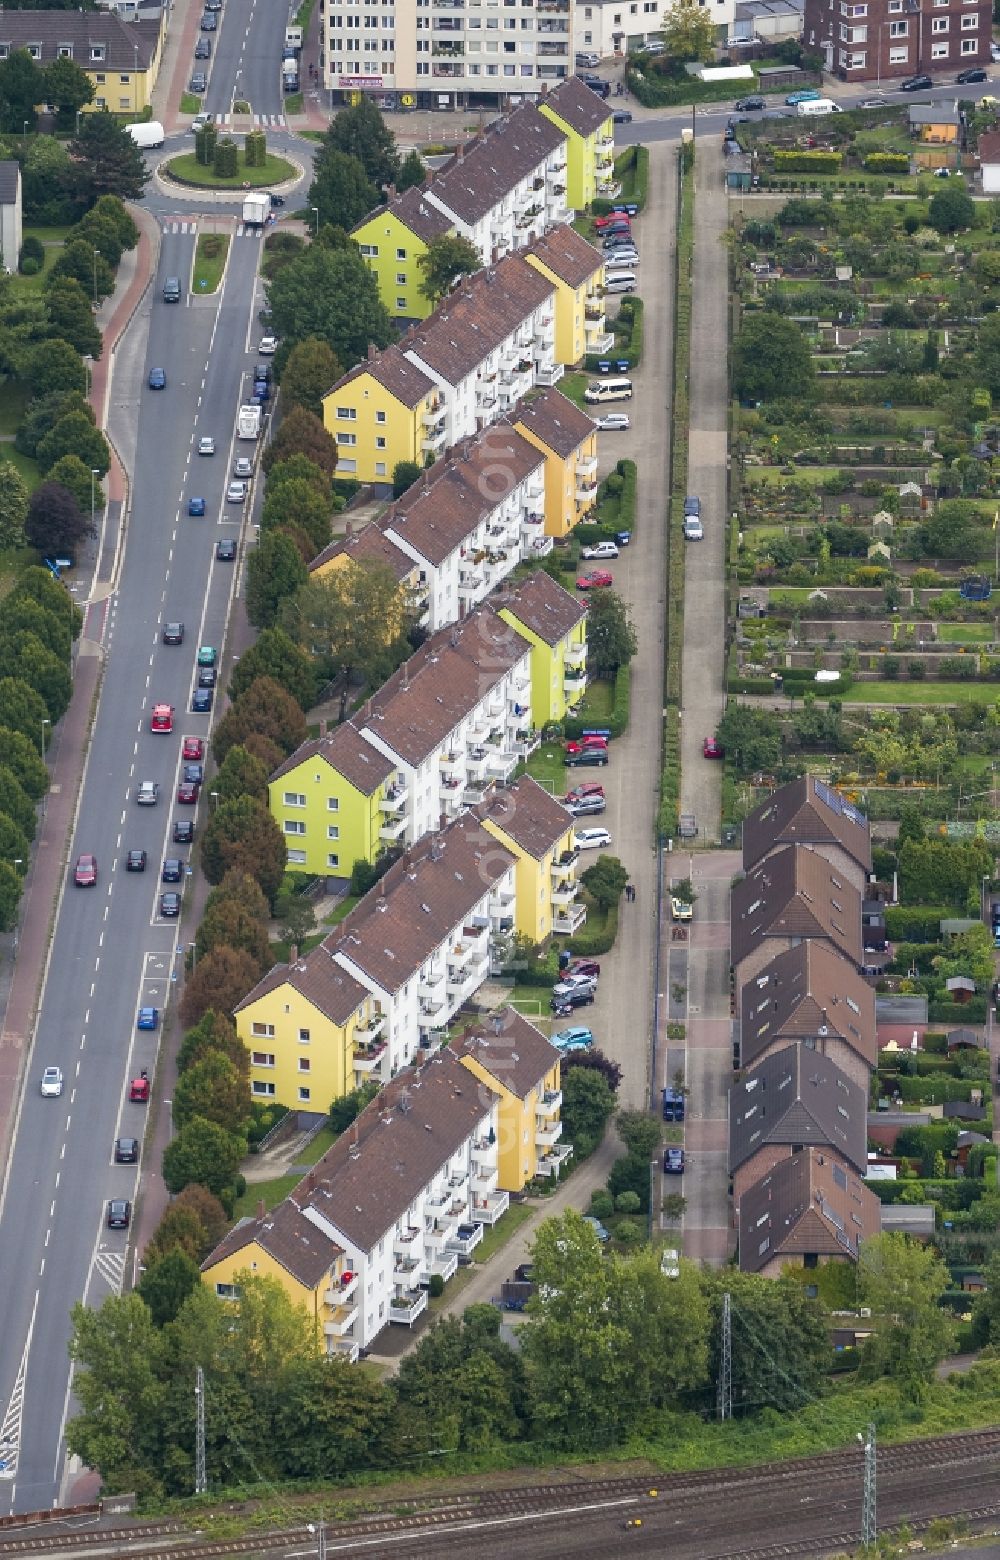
(246, 58)
(112, 952)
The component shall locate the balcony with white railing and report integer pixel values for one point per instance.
(489, 1209)
(464, 982)
(431, 982)
(348, 1349)
(564, 865)
(600, 341)
(408, 1271)
(500, 766)
(575, 653)
(485, 1175)
(563, 896)
(574, 683)
(586, 490)
(444, 1265)
(394, 798)
(548, 374)
(366, 1059)
(547, 1134)
(550, 1163)
(609, 189)
(526, 739)
(531, 525)
(477, 731)
(540, 547)
(370, 1029)
(393, 829)
(433, 1010)
(465, 1239)
(408, 1306)
(341, 1322)
(548, 1102)
(435, 439)
(434, 412)
(586, 466)
(342, 1290)
(570, 919)
(407, 1242)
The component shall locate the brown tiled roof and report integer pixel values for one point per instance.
(989, 146)
(566, 253)
(806, 812)
(416, 213)
(797, 1098)
(526, 812)
(330, 989)
(803, 994)
(479, 176)
(555, 420)
(577, 106)
(407, 383)
(448, 501)
(541, 604)
(441, 683)
(370, 1176)
(346, 751)
(84, 31)
(419, 902)
(472, 321)
(795, 893)
(295, 1243)
(811, 1204)
(369, 545)
(513, 1051)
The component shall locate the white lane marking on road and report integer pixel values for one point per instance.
(41, 1270)
(86, 1017)
(52, 1208)
(48, 1236)
(62, 1152)
(10, 1425)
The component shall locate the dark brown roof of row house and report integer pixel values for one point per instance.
(811, 1204)
(800, 1099)
(82, 33)
(485, 170)
(349, 753)
(369, 545)
(477, 317)
(807, 812)
(584, 111)
(404, 381)
(806, 993)
(526, 812)
(541, 604)
(330, 989)
(566, 253)
(554, 419)
(795, 893)
(295, 1243)
(416, 213)
(510, 1048)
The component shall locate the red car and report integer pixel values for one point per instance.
(711, 748)
(616, 217)
(586, 742)
(588, 788)
(85, 871)
(194, 748)
(187, 792)
(584, 967)
(162, 718)
(138, 1090)
(594, 580)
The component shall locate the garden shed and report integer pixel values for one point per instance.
(936, 124)
(963, 1039)
(961, 989)
(989, 161)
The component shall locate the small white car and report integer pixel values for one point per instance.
(267, 346)
(600, 550)
(206, 446)
(236, 493)
(52, 1082)
(680, 910)
(591, 839)
(693, 529)
(612, 422)
(199, 122)
(243, 466)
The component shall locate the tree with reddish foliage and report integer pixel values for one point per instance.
(597, 1062)
(302, 433)
(220, 980)
(264, 708)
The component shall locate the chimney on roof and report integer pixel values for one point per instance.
(372, 351)
(261, 1211)
(460, 154)
(427, 479)
(390, 194)
(293, 955)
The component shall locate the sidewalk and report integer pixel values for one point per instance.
(171, 79)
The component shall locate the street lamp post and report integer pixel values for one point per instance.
(94, 474)
(96, 252)
(194, 956)
(24, 137)
(45, 722)
(315, 212)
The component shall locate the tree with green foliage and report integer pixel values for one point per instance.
(301, 437)
(951, 208)
(911, 825)
(266, 709)
(101, 235)
(72, 317)
(45, 171)
(311, 370)
(751, 739)
(28, 658)
(242, 836)
(15, 803)
(55, 365)
(81, 262)
(22, 86)
(330, 1418)
(42, 414)
(204, 1152)
(22, 708)
(605, 881)
(241, 774)
(404, 474)
(412, 171)
(72, 474)
(611, 637)
(166, 1284)
(75, 434)
(771, 359)
(38, 585)
(464, 1383)
(298, 508)
(689, 32)
(67, 87)
(117, 1352)
(54, 521)
(780, 1345)
(22, 758)
(212, 1090)
(194, 1222)
(351, 620)
(361, 132)
(445, 259)
(340, 190)
(13, 505)
(236, 916)
(902, 1281)
(275, 573)
(350, 1105)
(10, 896)
(214, 1032)
(276, 655)
(943, 871)
(112, 210)
(218, 981)
(587, 1106)
(295, 916)
(332, 295)
(106, 160)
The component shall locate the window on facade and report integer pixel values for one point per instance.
(380, 468)
(305, 1095)
(970, 23)
(297, 858)
(939, 51)
(370, 251)
(898, 56)
(262, 1031)
(304, 1064)
(260, 1087)
(347, 438)
(333, 831)
(939, 24)
(262, 1058)
(228, 1291)
(333, 859)
(348, 413)
(294, 826)
(333, 804)
(380, 417)
(970, 45)
(295, 799)
(898, 29)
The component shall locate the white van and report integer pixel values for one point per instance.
(608, 390)
(620, 282)
(817, 106)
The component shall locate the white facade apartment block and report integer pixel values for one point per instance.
(523, 213)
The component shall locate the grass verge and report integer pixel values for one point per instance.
(190, 104)
(269, 1192)
(919, 693)
(547, 765)
(324, 1139)
(209, 262)
(496, 1238)
(28, 469)
(186, 169)
(573, 386)
(294, 103)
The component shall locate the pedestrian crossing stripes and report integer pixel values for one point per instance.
(177, 225)
(264, 121)
(10, 1426)
(110, 1265)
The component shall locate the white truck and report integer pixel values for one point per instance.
(248, 422)
(148, 134)
(256, 209)
(290, 75)
(293, 38)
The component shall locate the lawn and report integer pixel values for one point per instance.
(53, 239)
(341, 908)
(25, 465)
(269, 1192)
(546, 765)
(496, 1238)
(573, 386)
(190, 104)
(14, 397)
(965, 633)
(209, 262)
(293, 103)
(597, 702)
(186, 169)
(532, 1001)
(915, 693)
(324, 1139)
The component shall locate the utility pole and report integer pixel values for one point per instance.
(868, 1516)
(200, 1476)
(724, 1390)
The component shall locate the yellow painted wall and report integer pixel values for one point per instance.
(400, 429)
(357, 817)
(549, 701)
(533, 908)
(570, 340)
(562, 509)
(516, 1151)
(252, 1259)
(581, 159)
(384, 232)
(329, 1050)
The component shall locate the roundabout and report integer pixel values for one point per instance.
(185, 170)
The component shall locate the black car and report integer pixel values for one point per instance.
(203, 49)
(135, 861)
(621, 116)
(974, 73)
(565, 1003)
(207, 676)
(119, 1213)
(201, 701)
(749, 105)
(173, 870)
(198, 82)
(263, 371)
(126, 1151)
(225, 551)
(170, 906)
(194, 773)
(183, 831)
(915, 84)
(173, 633)
(587, 757)
(276, 201)
(209, 23)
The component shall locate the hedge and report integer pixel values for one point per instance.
(807, 162)
(916, 923)
(934, 1090)
(958, 1014)
(586, 944)
(887, 162)
(630, 314)
(574, 726)
(606, 530)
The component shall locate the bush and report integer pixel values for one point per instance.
(29, 266)
(887, 162)
(436, 1286)
(626, 1202)
(807, 162)
(915, 923)
(958, 1014)
(586, 944)
(602, 1204)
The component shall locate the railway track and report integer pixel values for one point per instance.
(684, 1501)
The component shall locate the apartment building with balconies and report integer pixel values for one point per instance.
(514, 1060)
(555, 625)
(393, 238)
(486, 345)
(337, 799)
(576, 271)
(569, 440)
(394, 1203)
(538, 831)
(585, 119)
(882, 39)
(369, 547)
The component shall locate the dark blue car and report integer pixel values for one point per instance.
(196, 506)
(157, 379)
(201, 701)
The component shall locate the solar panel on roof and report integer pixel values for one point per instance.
(837, 804)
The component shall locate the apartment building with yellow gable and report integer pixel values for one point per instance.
(393, 239)
(538, 831)
(555, 625)
(587, 123)
(576, 271)
(384, 411)
(568, 438)
(514, 1060)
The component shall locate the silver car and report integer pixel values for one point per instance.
(236, 493)
(147, 793)
(243, 466)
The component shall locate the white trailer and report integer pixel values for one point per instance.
(248, 422)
